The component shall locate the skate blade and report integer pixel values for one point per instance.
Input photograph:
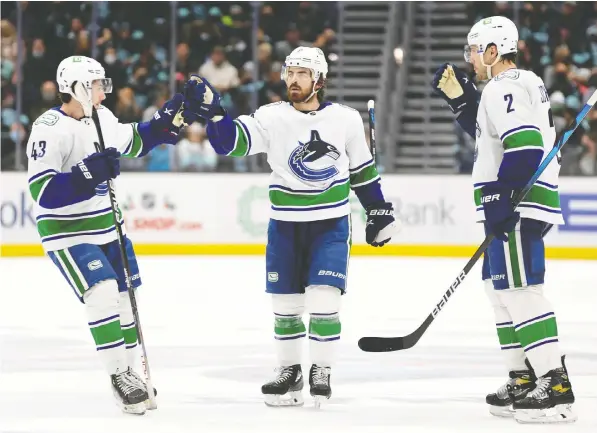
(132, 409)
(502, 411)
(560, 414)
(292, 398)
(318, 400)
(149, 405)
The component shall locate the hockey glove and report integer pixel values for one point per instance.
(500, 218)
(455, 87)
(202, 99)
(96, 168)
(165, 122)
(381, 224)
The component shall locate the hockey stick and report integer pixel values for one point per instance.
(390, 344)
(371, 111)
(100, 147)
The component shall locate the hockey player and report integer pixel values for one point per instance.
(514, 129)
(68, 183)
(317, 152)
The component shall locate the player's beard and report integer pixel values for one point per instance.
(300, 96)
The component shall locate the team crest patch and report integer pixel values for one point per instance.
(272, 277)
(308, 159)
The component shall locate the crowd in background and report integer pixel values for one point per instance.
(558, 41)
(213, 39)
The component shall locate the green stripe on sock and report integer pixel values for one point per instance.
(514, 260)
(325, 326)
(537, 331)
(71, 271)
(507, 335)
(242, 143)
(107, 333)
(130, 335)
(288, 325)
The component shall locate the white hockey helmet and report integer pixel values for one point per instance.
(310, 58)
(84, 71)
(497, 30)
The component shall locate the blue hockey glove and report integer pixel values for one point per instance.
(455, 87)
(202, 99)
(96, 168)
(500, 217)
(169, 119)
(381, 224)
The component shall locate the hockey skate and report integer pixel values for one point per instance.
(286, 389)
(141, 382)
(550, 402)
(319, 380)
(516, 388)
(130, 395)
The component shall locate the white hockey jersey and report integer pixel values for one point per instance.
(315, 158)
(515, 114)
(58, 142)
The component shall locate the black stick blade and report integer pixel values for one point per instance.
(382, 344)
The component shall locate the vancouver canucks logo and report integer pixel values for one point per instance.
(311, 151)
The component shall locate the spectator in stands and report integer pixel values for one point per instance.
(220, 73)
(126, 109)
(183, 60)
(49, 99)
(292, 40)
(162, 95)
(160, 158)
(39, 67)
(194, 153)
(588, 160)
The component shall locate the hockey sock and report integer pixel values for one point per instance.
(535, 326)
(324, 332)
(289, 333)
(129, 330)
(102, 302)
(512, 351)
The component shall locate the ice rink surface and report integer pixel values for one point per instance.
(208, 327)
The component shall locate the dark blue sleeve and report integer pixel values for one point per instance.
(151, 137)
(369, 194)
(221, 135)
(468, 119)
(517, 168)
(62, 191)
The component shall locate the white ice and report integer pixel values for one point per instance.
(208, 328)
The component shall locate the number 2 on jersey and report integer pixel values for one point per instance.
(38, 150)
(508, 98)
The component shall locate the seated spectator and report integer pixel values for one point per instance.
(49, 99)
(160, 99)
(126, 109)
(194, 153)
(292, 40)
(219, 72)
(588, 160)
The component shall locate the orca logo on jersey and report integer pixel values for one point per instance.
(311, 151)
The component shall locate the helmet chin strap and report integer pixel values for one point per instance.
(488, 67)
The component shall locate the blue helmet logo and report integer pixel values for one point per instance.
(311, 151)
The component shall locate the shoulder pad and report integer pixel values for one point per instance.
(49, 118)
(344, 106)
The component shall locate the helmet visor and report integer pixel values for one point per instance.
(104, 84)
(467, 53)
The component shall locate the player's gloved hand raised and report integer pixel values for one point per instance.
(97, 168)
(202, 99)
(381, 224)
(500, 218)
(455, 87)
(168, 120)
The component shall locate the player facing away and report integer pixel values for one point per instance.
(68, 183)
(317, 152)
(514, 129)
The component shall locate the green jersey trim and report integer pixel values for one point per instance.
(37, 186)
(540, 195)
(53, 227)
(281, 196)
(135, 147)
(364, 175)
(523, 140)
(241, 142)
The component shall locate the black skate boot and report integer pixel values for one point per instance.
(319, 380)
(130, 395)
(516, 388)
(141, 382)
(551, 400)
(289, 381)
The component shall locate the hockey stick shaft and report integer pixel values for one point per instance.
(100, 147)
(389, 344)
(371, 112)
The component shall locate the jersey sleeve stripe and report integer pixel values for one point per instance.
(241, 143)
(248, 134)
(526, 147)
(43, 173)
(364, 176)
(518, 128)
(360, 167)
(37, 186)
(528, 138)
(135, 147)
